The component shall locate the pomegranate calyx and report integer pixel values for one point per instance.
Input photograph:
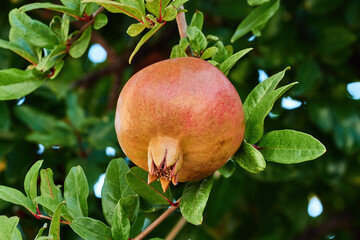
(164, 161)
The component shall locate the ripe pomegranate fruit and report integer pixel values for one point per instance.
(180, 119)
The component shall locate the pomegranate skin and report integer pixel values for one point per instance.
(186, 99)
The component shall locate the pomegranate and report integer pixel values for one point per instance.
(180, 119)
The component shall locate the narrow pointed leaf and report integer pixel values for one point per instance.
(30, 183)
(228, 169)
(208, 53)
(255, 123)
(38, 236)
(289, 146)
(16, 197)
(258, 17)
(76, 192)
(48, 187)
(78, 48)
(54, 230)
(18, 50)
(50, 6)
(137, 179)
(91, 229)
(249, 158)
(232, 60)
(260, 91)
(197, 20)
(145, 38)
(115, 187)
(120, 226)
(8, 229)
(177, 52)
(197, 39)
(16, 83)
(193, 200)
(33, 31)
(135, 29)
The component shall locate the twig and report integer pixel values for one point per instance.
(162, 217)
(176, 229)
(181, 23)
(85, 26)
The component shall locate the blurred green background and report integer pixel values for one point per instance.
(69, 120)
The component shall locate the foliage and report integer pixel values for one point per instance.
(71, 115)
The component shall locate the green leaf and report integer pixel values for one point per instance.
(289, 146)
(222, 54)
(145, 38)
(197, 39)
(16, 197)
(34, 32)
(73, 4)
(157, 7)
(91, 229)
(258, 17)
(255, 122)
(30, 183)
(100, 21)
(16, 83)
(208, 53)
(135, 29)
(116, 7)
(120, 225)
(56, 55)
(49, 204)
(115, 187)
(197, 20)
(216, 64)
(9, 228)
(38, 236)
(232, 60)
(184, 43)
(47, 186)
(249, 158)
(169, 13)
(177, 52)
(178, 3)
(256, 2)
(54, 230)
(137, 179)
(18, 50)
(131, 206)
(228, 169)
(194, 198)
(260, 91)
(78, 48)
(74, 112)
(76, 192)
(50, 6)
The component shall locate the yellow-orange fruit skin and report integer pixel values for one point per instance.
(189, 100)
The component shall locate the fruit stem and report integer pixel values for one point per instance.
(181, 22)
(161, 218)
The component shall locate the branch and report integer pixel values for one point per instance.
(181, 23)
(162, 217)
(176, 229)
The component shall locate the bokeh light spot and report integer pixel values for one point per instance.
(289, 103)
(315, 207)
(98, 185)
(262, 75)
(110, 151)
(97, 54)
(354, 90)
